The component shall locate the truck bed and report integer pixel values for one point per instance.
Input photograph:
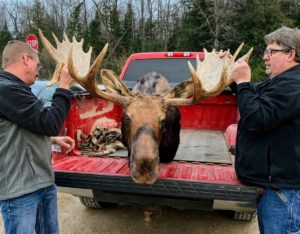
(201, 176)
(203, 146)
(202, 168)
(206, 174)
(177, 179)
(206, 146)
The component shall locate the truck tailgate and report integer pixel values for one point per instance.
(177, 179)
(199, 178)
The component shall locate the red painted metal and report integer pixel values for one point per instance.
(157, 55)
(230, 135)
(216, 113)
(174, 170)
(32, 40)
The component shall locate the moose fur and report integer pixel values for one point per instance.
(153, 138)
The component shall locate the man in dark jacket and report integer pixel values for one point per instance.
(28, 198)
(268, 138)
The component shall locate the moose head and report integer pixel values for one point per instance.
(151, 119)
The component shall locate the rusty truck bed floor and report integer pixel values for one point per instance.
(205, 149)
(198, 146)
(203, 146)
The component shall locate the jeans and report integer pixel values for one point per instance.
(278, 211)
(35, 211)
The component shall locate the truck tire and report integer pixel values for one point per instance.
(93, 203)
(244, 216)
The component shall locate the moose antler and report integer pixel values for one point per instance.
(79, 65)
(150, 122)
(212, 75)
(209, 79)
(213, 67)
(61, 53)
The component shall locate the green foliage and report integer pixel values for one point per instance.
(95, 38)
(115, 29)
(128, 30)
(172, 40)
(115, 24)
(117, 65)
(74, 25)
(40, 19)
(5, 36)
(183, 25)
(257, 69)
(194, 33)
(254, 19)
(48, 65)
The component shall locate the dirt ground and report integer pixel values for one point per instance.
(74, 218)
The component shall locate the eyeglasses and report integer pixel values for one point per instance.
(38, 65)
(270, 52)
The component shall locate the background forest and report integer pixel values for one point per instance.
(131, 26)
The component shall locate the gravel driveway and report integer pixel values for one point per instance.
(74, 218)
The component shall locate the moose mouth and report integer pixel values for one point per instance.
(144, 156)
(144, 172)
(211, 76)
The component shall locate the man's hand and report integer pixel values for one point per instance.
(226, 53)
(64, 141)
(241, 72)
(65, 79)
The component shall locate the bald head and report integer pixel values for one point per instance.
(14, 50)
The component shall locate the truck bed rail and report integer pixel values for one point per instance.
(176, 179)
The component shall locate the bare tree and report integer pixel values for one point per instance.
(216, 19)
(142, 23)
(14, 10)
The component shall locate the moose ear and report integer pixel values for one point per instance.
(182, 90)
(113, 84)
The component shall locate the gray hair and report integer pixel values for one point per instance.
(287, 38)
(14, 50)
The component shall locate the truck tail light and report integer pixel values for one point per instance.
(178, 54)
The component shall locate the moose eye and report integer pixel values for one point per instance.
(162, 123)
(126, 119)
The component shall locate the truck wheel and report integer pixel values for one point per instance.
(244, 216)
(93, 203)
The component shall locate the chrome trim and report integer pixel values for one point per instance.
(234, 205)
(217, 204)
(77, 191)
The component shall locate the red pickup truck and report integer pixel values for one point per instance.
(202, 175)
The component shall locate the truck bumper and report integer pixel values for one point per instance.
(178, 194)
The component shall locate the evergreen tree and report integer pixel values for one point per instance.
(115, 28)
(255, 19)
(5, 36)
(172, 40)
(290, 10)
(130, 40)
(194, 33)
(38, 18)
(74, 25)
(95, 35)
